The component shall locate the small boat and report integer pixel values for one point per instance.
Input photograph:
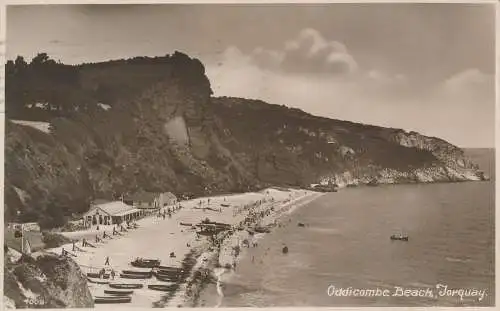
(135, 276)
(102, 282)
(112, 299)
(224, 205)
(167, 278)
(145, 263)
(118, 292)
(399, 237)
(301, 224)
(261, 230)
(285, 250)
(163, 288)
(97, 276)
(126, 286)
(168, 268)
(166, 272)
(137, 272)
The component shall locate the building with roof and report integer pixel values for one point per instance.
(110, 213)
(150, 200)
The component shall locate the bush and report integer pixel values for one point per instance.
(52, 240)
(70, 227)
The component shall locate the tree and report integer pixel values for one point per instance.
(20, 63)
(39, 59)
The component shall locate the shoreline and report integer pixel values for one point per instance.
(225, 259)
(205, 258)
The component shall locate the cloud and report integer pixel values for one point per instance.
(385, 78)
(460, 109)
(308, 53)
(469, 84)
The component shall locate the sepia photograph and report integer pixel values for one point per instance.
(226, 155)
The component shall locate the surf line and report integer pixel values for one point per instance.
(219, 274)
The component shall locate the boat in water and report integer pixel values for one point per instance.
(399, 237)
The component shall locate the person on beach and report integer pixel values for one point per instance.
(112, 274)
(104, 235)
(84, 242)
(63, 252)
(74, 246)
(107, 261)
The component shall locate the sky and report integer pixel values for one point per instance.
(423, 67)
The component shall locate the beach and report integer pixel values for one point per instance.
(206, 257)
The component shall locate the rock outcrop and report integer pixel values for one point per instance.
(47, 281)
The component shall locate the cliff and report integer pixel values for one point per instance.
(294, 147)
(47, 281)
(152, 124)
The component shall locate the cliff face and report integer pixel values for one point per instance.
(48, 281)
(294, 147)
(162, 131)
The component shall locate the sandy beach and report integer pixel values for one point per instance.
(156, 238)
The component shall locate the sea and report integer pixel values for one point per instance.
(344, 257)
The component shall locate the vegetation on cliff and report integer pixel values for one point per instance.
(152, 124)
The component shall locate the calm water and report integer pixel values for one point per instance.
(346, 244)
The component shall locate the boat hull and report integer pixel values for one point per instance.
(112, 299)
(131, 272)
(118, 292)
(145, 263)
(396, 238)
(102, 282)
(135, 276)
(126, 286)
(163, 288)
(97, 276)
